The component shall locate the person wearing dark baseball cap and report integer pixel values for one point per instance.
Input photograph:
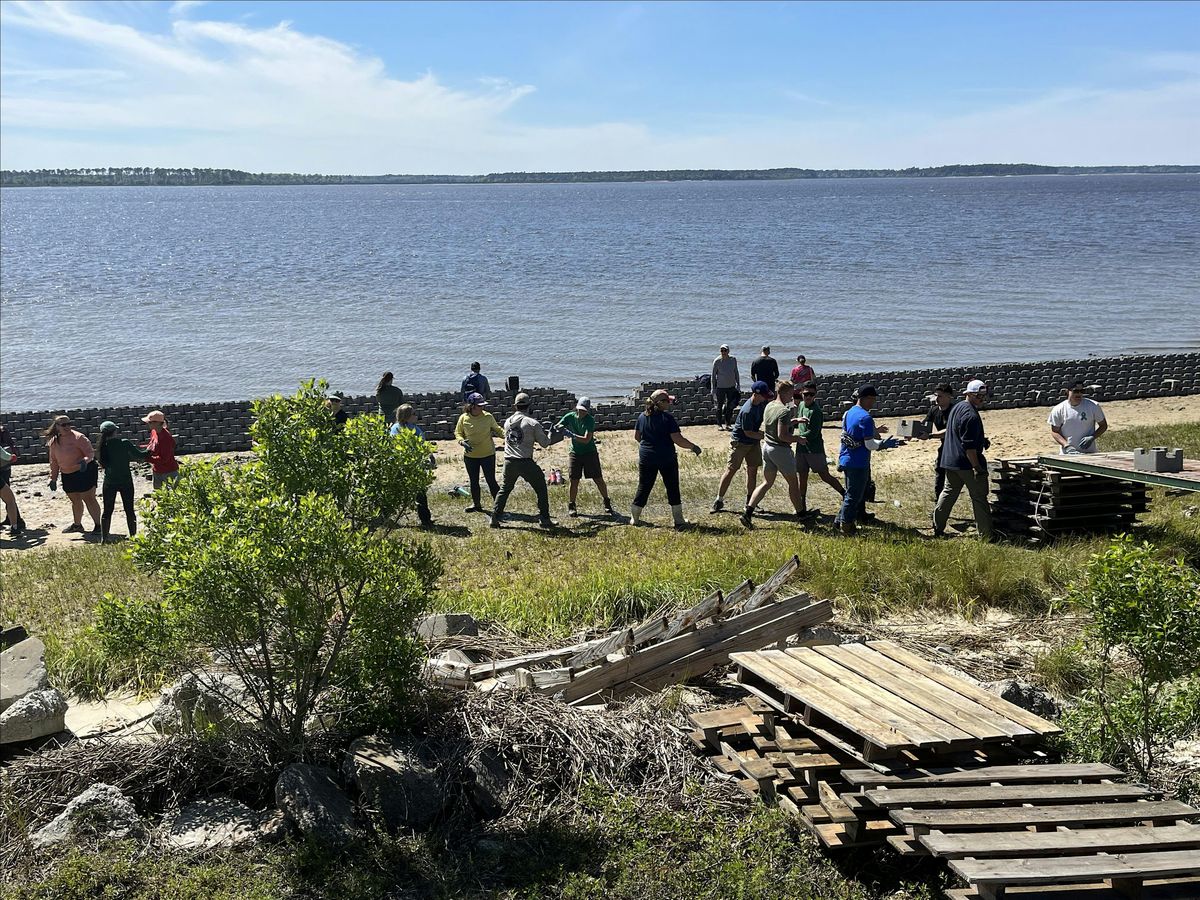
(745, 444)
(962, 458)
(855, 457)
(474, 431)
(935, 421)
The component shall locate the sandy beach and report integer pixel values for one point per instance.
(1013, 433)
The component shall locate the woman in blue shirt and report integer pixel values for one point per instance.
(658, 435)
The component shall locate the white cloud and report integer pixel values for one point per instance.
(213, 93)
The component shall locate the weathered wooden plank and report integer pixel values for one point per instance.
(1015, 774)
(617, 642)
(733, 601)
(766, 591)
(837, 810)
(1024, 816)
(1066, 869)
(1082, 840)
(719, 718)
(707, 608)
(915, 797)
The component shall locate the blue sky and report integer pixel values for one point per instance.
(477, 87)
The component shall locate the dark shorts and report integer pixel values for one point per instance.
(5, 476)
(81, 481)
(811, 462)
(586, 465)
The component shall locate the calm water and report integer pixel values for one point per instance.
(148, 295)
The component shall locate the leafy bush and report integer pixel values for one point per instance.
(1144, 633)
(278, 565)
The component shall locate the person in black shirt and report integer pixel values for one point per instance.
(334, 404)
(935, 421)
(765, 368)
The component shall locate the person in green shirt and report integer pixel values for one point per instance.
(474, 431)
(388, 398)
(585, 458)
(810, 446)
(778, 457)
(115, 454)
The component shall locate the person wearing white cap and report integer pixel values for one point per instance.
(164, 467)
(585, 458)
(726, 387)
(658, 434)
(964, 463)
(521, 433)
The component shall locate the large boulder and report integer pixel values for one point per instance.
(1026, 696)
(101, 812)
(434, 628)
(196, 703)
(312, 801)
(397, 781)
(35, 715)
(220, 823)
(22, 671)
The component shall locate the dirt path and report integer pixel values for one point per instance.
(1013, 432)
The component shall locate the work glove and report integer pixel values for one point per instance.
(466, 445)
(888, 443)
(696, 451)
(53, 484)
(1087, 443)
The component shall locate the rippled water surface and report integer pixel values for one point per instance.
(148, 295)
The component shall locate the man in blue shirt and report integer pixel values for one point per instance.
(962, 458)
(745, 444)
(855, 457)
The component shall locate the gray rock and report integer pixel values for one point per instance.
(35, 715)
(22, 671)
(220, 823)
(396, 781)
(11, 635)
(491, 782)
(312, 801)
(819, 635)
(1026, 696)
(196, 703)
(433, 628)
(101, 812)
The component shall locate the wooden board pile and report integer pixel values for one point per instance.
(663, 650)
(869, 743)
(1033, 502)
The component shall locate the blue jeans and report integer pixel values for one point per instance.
(853, 504)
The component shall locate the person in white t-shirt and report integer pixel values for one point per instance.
(1077, 422)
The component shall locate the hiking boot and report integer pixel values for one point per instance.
(746, 518)
(572, 511)
(717, 505)
(73, 528)
(494, 523)
(547, 524)
(849, 529)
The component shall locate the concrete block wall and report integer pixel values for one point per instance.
(224, 427)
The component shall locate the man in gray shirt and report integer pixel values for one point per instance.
(726, 388)
(521, 433)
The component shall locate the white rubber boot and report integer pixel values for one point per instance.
(635, 514)
(677, 515)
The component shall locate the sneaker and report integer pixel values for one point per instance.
(572, 511)
(19, 528)
(683, 526)
(717, 505)
(746, 518)
(494, 523)
(547, 524)
(473, 508)
(849, 530)
(5, 522)
(426, 524)
(73, 529)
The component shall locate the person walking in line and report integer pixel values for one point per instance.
(1077, 422)
(962, 458)
(745, 445)
(8, 455)
(778, 455)
(935, 422)
(388, 397)
(585, 458)
(522, 433)
(476, 383)
(406, 420)
(726, 387)
(164, 467)
(859, 433)
(474, 431)
(764, 368)
(115, 454)
(810, 444)
(72, 456)
(658, 434)
(802, 372)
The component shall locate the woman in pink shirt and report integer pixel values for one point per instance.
(164, 467)
(72, 456)
(802, 372)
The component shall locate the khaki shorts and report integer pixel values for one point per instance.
(779, 458)
(811, 462)
(750, 454)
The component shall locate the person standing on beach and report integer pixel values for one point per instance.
(764, 368)
(1077, 422)
(962, 458)
(476, 383)
(115, 454)
(658, 434)
(802, 372)
(810, 444)
(935, 421)
(726, 387)
(388, 397)
(745, 445)
(72, 456)
(406, 420)
(8, 455)
(474, 430)
(585, 458)
(858, 428)
(164, 467)
(522, 433)
(778, 455)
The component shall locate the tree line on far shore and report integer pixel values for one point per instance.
(146, 176)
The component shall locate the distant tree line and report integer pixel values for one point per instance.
(146, 176)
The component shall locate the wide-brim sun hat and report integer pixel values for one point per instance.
(661, 394)
(155, 415)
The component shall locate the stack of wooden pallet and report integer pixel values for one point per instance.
(1037, 503)
(661, 651)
